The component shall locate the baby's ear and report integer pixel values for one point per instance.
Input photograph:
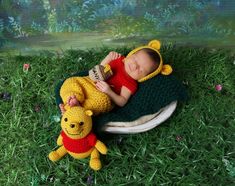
(166, 70)
(155, 44)
(88, 112)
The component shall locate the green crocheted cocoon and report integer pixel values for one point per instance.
(151, 96)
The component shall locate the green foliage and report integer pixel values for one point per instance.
(37, 28)
(2, 38)
(16, 29)
(230, 167)
(194, 147)
(52, 21)
(127, 26)
(1, 26)
(177, 18)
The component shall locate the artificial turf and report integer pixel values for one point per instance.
(194, 147)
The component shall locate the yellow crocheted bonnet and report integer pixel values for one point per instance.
(163, 69)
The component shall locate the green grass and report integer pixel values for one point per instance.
(194, 147)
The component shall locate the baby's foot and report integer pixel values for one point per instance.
(62, 109)
(72, 101)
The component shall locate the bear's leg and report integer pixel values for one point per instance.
(95, 162)
(58, 154)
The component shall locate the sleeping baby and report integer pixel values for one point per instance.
(114, 81)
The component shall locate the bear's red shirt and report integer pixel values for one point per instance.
(120, 77)
(79, 145)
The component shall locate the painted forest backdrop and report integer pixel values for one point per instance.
(49, 24)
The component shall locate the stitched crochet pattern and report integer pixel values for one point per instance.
(152, 95)
(86, 93)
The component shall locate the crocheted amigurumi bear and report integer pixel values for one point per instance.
(100, 72)
(77, 139)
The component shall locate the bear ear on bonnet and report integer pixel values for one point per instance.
(166, 70)
(163, 69)
(155, 44)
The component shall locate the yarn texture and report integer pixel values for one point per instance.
(77, 138)
(152, 95)
(86, 93)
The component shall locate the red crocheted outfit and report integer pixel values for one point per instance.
(120, 77)
(79, 145)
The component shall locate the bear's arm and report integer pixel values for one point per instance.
(59, 140)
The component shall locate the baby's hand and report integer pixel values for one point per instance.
(103, 86)
(113, 55)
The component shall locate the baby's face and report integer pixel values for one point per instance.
(139, 65)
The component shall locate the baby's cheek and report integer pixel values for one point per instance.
(136, 75)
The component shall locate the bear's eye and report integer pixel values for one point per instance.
(65, 119)
(81, 123)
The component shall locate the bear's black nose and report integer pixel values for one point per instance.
(72, 125)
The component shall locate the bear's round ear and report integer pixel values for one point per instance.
(155, 44)
(88, 112)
